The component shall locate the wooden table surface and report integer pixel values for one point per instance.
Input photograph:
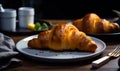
(32, 65)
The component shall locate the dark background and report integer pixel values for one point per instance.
(66, 9)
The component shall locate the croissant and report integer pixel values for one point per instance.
(63, 37)
(93, 24)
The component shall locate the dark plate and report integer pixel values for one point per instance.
(25, 31)
(109, 37)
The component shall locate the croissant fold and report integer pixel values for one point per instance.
(63, 37)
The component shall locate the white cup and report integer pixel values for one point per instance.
(8, 20)
(26, 16)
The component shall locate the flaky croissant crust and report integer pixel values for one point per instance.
(63, 37)
(91, 23)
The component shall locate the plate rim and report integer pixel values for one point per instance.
(83, 57)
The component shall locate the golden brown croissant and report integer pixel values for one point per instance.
(93, 24)
(63, 37)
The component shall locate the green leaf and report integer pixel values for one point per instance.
(37, 26)
(44, 26)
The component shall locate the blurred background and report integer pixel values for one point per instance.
(66, 9)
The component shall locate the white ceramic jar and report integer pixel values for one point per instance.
(26, 16)
(8, 20)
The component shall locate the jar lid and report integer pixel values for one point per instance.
(26, 11)
(8, 13)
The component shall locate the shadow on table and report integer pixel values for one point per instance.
(44, 63)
